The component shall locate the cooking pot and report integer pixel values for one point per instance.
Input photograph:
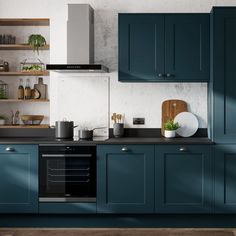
(64, 129)
(87, 134)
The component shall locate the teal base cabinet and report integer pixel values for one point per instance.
(125, 178)
(183, 179)
(225, 178)
(19, 179)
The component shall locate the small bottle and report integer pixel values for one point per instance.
(21, 90)
(27, 90)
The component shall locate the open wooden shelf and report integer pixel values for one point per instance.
(21, 73)
(20, 47)
(26, 100)
(24, 126)
(24, 22)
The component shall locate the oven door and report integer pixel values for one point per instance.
(67, 177)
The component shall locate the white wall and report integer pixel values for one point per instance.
(88, 100)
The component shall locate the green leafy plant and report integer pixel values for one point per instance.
(170, 125)
(32, 67)
(36, 41)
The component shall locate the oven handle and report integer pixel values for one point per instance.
(66, 155)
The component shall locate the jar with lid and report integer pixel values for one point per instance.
(3, 90)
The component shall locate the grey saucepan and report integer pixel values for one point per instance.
(88, 134)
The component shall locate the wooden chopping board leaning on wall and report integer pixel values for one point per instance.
(171, 108)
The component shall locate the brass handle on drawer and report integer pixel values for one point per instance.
(124, 149)
(183, 149)
(10, 149)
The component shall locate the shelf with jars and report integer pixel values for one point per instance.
(21, 42)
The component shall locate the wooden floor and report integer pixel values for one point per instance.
(114, 232)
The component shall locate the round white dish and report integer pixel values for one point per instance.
(188, 124)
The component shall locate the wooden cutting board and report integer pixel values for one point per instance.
(171, 108)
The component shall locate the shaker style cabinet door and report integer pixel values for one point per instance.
(224, 75)
(19, 179)
(183, 179)
(164, 47)
(141, 47)
(125, 179)
(187, 47)
(225, 178)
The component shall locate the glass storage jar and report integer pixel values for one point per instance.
(3, 90)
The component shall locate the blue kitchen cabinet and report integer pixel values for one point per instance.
(223, 80)
(225, 178)
(164, 47)
(125, 178)
(187, 47)
(183, 179)
(19, 179)
(141, 51)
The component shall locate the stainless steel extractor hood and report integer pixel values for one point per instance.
(80, 42)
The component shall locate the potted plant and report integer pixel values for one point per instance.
(36, 41)
(2, 120)
(170, 127)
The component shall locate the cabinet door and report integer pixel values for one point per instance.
(224, 75)
(183, 179)
(141, 47)
(187, 42)
(125, 179)
(225, 178)
(19, 179)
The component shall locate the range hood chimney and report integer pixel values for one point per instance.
(80, 42)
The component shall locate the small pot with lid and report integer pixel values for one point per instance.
(86, 134)
(64, 129)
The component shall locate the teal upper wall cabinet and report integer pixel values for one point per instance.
(164, 47)
(183, 179)
(223, 81)
(125, 178)
(19, 179)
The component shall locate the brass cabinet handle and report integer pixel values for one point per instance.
(10, 149)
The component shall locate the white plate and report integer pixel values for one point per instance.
(188, 124)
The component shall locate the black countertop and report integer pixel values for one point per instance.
(125, 140)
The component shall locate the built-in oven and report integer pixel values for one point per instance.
(67, 173)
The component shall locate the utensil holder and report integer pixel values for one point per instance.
(118, 130)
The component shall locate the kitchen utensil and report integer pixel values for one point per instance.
(171, 108)
(41, 87)
(118, 130)
(64, 129)
(32, 119)
(188, 124)
(88, 134)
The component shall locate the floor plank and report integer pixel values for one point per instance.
(114, 232)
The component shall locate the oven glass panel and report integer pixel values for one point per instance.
(67, 175)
